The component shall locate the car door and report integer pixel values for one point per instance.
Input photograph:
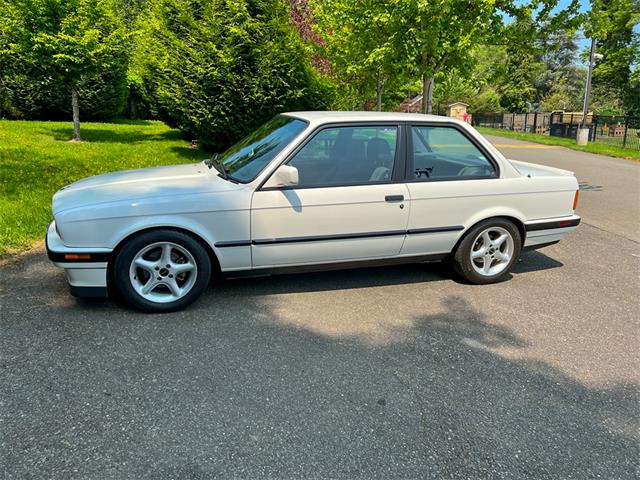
(349, 203)
(450, 177)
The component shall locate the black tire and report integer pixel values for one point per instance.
(462, 262)
(126, 255)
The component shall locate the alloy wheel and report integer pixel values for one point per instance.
(492, 251)
(163, 272)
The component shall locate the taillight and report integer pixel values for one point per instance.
(575, 199)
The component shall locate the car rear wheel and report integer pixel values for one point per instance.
(162, 271)
(488, 251)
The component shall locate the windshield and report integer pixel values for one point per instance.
(245, 160)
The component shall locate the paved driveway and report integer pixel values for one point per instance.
(381, 373)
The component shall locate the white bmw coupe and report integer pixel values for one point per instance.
(309, 191)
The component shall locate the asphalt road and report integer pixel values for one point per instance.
(399, 372)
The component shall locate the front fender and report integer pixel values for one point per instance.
(210, 227)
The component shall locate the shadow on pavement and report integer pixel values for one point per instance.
(343, 279)
(535, 261)
(244, 384)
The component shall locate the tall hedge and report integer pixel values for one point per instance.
(218, 68)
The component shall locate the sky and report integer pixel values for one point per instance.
(585, 6)
(583, 43)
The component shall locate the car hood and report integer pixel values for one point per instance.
(138, 184)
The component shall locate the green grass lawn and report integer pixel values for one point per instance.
(36, 159)
(593, 147)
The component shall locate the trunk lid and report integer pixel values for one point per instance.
(534, 170)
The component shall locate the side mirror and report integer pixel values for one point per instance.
(284, 176)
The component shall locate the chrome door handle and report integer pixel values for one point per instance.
(394, 198)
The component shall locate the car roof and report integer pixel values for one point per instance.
(321, 117)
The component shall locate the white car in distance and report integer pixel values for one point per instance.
(309, 191)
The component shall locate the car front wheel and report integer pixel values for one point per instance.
(488, 251)
(162, 271)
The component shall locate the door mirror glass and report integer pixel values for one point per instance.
(284, 176)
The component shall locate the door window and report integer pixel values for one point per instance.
(347, 156)
(446, 153)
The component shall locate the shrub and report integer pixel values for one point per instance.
(217, 69)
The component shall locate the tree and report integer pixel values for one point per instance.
(441, 34)
(70, 40)
(454, 86)
(426, 37)
(219, 68)
(538, 60)
(560, 97)
(518, 86)
(611, 23)
(561, 82)
(633, 94)
(361, 40)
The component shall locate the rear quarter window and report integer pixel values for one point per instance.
(446, 153)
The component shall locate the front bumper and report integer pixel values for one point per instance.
(86, 268)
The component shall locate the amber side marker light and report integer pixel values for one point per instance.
(575, 199)
(77, 256)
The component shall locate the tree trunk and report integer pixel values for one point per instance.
(76, 114)
(133, 108)
(427, 94)
(379, 92)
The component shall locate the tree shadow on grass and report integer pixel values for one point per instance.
(106, 135)
(135, 121)
(98, 135)
(195, 154)
(233, 387)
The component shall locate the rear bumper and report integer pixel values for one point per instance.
(542, 233)
(86, 268)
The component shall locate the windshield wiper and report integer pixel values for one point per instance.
(214, 162)
(209, 161)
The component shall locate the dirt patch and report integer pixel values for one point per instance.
(13, 257)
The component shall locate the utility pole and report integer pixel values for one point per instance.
(583, 131)
(587, 88)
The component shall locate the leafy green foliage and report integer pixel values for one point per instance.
(560, 84)
(611, 22)
(476, 86)
(521, 70)
(633, 93)
(364, 44)
(49, 47)
(217, 69)
(436, 41)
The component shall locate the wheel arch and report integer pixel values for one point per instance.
(515, 220)
(213, 257)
